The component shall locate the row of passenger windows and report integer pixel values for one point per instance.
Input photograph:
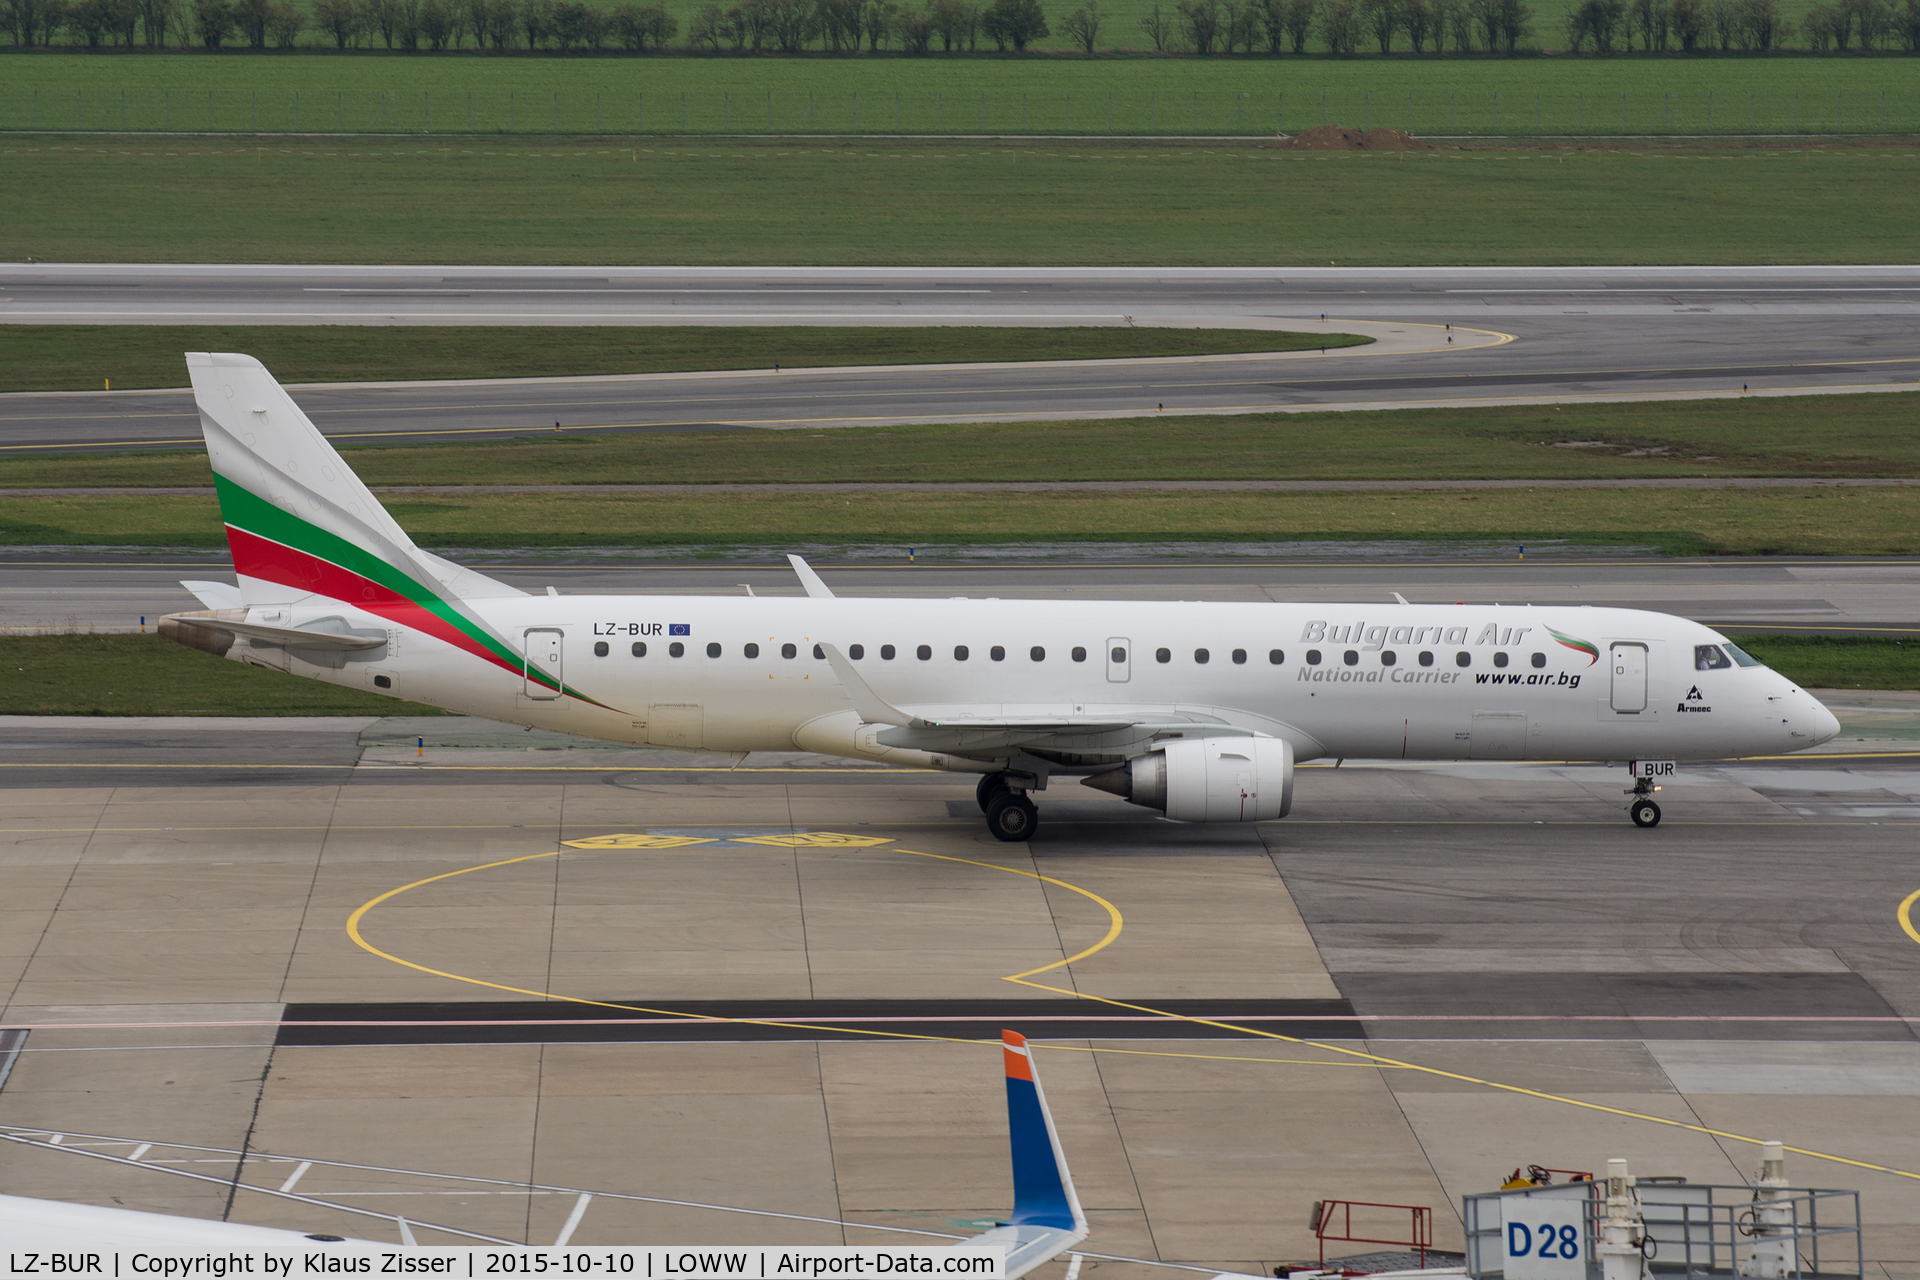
(1118, 657)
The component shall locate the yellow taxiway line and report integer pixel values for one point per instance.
(1115, 923)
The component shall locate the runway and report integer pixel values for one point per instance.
(67, 589)
(393, 990)
(1578, 334)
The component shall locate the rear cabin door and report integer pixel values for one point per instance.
(1119, 660)
(1629, 663)
(545, 669)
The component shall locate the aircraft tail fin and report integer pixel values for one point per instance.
(1043, 1193)
(1047, 1219)
(299, 521)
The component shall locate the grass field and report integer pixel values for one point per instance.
(946, 204)
(1863, 435)
(135, 675)
(1683, 522)
(1839, 662)
(378, 93)
(84, 357)
(129, 675)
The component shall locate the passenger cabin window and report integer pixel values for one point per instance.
(789, 651)
(1539, 659)
(998, 653)
(639, 648)
(1463, 659)
(959, 653)
(599, 648)
(1037, 654)
(1388, 658)
(1426, 657)
(856, 651)
(1707, 657)
(886, 653)
(1163, 655)
(1200, 656)
(1278, 656)
(676, 650)
(1351, 657)
(1499, 659)
(713, 650)
(752, 650)
(383, 682)
(1118, 655)
(1313, 657)
(1079, 654)
(924, 652)
(1239, 657)
(820, 653)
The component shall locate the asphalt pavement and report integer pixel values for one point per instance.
(1521, 335)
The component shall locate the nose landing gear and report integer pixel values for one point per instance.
(1010, 815)
(1642, 809)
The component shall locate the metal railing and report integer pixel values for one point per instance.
(1325, 1213)
(1692, 1229)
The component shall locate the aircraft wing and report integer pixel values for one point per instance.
(1047, 1219)
(964, 732)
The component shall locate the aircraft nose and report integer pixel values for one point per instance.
(1822, 721)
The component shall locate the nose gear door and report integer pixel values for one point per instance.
(1119, 660)
(544, 669)
(1629, 662)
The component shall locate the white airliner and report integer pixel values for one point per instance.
(1197, 710)
(1046, 1221)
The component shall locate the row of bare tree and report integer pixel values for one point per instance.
(921, 26)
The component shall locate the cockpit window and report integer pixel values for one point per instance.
(1707, 657)
(1742, 657)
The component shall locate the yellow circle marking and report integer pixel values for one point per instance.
(1114, 926)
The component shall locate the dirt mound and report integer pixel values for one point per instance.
(1333, 137)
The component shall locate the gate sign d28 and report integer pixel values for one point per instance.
(1543, 1239)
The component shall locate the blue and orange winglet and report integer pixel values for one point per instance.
(1043, 1193)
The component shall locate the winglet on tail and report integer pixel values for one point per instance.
(298, 519)
(1043, 1193)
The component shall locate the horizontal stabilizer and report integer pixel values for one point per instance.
(215, 595)
(326, 633)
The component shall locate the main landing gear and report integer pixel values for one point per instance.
(1642, 809)
(1010, 815)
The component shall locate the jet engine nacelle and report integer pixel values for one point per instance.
(1209, 780)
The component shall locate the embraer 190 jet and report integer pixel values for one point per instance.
(1200, 711)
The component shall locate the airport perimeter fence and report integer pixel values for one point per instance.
(1119, 114)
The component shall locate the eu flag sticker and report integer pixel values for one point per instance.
(679, 629)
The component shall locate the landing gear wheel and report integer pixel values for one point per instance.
(1012, 816)
(991, 785)
(1645, 813)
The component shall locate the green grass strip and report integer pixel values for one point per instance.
(90, 357)
(1808, 436)
(600, 201)
(144, 675)
(1839, 662)
(1810, 521)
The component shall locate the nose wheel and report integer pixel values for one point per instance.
(1642, 809)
